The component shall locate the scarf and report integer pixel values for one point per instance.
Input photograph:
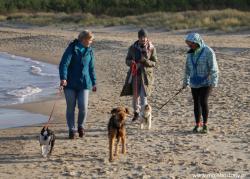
(144, 50)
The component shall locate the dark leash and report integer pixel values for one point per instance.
(52, 111)
(178, 92)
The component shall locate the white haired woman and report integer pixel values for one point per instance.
(77, 75)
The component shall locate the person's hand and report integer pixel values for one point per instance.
(184, 86)
(63, 83)
(143, 60)
(94, 89)
(212, 87)
(144, 54)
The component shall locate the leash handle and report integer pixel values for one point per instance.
(52, 111)
(179, 91)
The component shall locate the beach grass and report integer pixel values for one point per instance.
(225, 20)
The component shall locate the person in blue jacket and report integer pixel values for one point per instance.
(201, 74)
(77, 75)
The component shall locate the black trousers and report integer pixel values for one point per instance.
(200, 97)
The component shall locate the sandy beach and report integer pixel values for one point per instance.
(169, 149)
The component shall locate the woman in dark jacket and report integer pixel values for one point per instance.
(77, 75)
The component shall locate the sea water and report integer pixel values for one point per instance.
(24, 80)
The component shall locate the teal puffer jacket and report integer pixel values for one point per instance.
(77, 66)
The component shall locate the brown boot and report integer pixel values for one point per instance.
(81, 132)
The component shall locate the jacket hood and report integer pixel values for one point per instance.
(77, 45)
(196, 38)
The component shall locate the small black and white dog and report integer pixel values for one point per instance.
(47, 140)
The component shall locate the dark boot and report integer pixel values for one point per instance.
(204, 129)
(195, 130)
(72, 135)
(136, 116)
(81, 132)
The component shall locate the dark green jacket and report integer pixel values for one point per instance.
(147, 70)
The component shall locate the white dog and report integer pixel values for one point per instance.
(146, 116)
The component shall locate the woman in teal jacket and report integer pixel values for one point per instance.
(201, 74)
(77, 75)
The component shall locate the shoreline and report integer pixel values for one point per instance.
(21, 105)
(22, 118)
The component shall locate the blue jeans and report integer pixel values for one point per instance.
(71, 96)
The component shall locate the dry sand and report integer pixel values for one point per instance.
(169, 150)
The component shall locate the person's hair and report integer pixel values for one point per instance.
(142, 33)
(85, 35)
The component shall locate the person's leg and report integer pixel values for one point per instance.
(82, 99)
(70, 96)
(136, 108)
(143, 101)
(135, 104)
(136, 93)
(204, 94)
(143, 97)
(197, 107)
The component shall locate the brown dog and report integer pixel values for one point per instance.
(116, 129)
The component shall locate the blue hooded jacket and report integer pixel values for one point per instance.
(202, 63)
(77, 67)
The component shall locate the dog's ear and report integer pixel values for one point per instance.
(43, 129)
(49, 132)
(127, 110)
(113, 111)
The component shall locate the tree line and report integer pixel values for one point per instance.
(118, 7)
